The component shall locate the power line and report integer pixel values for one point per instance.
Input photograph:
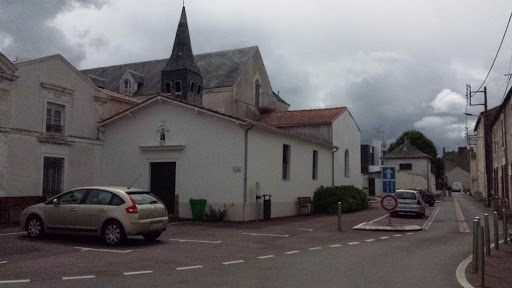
(497, 52)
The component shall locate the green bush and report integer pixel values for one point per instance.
(352, 199)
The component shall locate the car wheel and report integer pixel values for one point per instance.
(113, 233)
(152, 236)
(35, 227)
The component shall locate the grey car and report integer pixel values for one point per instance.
(409, 201)
(110, 212)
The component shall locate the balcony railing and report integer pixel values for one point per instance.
(54, 128)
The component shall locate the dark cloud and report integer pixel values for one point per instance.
(28, 25)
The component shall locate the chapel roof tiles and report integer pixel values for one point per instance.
(302, 117)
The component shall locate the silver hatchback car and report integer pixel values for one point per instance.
(111, 212)
(409, 201)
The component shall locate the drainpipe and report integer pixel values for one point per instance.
(245, 168)
(335, 150)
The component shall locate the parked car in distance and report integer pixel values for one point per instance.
(409, 201)
(426, 196)
(456, 187)
(110, 212)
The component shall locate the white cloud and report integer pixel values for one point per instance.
(5, 40)
(441, 126)
(450, 102)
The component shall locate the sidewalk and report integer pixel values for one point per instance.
(497, 269)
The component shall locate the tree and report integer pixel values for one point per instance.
(425, 145)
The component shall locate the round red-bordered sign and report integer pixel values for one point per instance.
(389, 202)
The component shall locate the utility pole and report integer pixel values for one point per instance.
(487, 139)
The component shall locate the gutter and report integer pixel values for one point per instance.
(245, 168)
(335, 150)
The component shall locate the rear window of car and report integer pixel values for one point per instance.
(142, 198)
(406, 195)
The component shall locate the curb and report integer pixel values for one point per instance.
(369, 226)
(461, 272)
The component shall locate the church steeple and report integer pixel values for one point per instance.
(180, 77)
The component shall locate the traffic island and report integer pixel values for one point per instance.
(380, 227)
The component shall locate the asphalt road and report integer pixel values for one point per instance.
(306, 252)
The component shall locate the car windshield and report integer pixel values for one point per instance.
(143, 198)
(405, 195)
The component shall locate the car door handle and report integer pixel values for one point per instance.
(72, 209)
(102, 210)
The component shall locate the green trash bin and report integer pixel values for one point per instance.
(198, 207)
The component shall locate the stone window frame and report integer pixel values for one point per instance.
(51, 127)
(127, 86)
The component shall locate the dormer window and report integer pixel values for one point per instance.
(257, 93)
(127, 86)
(167, 87)
(199, 87)
(192, 86)
(177, 86)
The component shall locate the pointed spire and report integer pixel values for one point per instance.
(182, 56)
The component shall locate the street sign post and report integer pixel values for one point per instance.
(389, 203)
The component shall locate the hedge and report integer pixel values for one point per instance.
(352, 199)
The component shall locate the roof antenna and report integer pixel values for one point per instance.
(134, 181)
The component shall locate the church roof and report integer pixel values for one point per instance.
(302, 117)
(406, 151)
(219, 69)
(182, 57)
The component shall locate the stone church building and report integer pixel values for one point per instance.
(205, 126)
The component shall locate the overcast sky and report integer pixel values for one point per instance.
(396, 65)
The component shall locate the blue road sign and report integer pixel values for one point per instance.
(388, 173)
(388, 187)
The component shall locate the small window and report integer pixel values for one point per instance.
(143, 198)
(347, 164)
(167, 87)
(315, 165)
(127, 86)
(177, 86)
(405, 167)
(199, 89)
(286, 162)
(98, 197)
(257, 93)
(162, 135)
(116, 201)
(73, 197)
(192, 86)
(55, 118)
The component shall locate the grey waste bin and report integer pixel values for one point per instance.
(266, 206)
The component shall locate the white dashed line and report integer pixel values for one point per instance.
(189, 267)
(306, 229)
(198, 241)
(233, 262)
(260, 234)
(78, 277)
(335, 245)
(353, 243)
(397, 235)
(410, 233)
(138, 272)
(369, 240)
(292, 252)
(103, 250)
(384, 237)
(15, 281)
(3, 262)
(375, 220)
(15, 233)
(315, 248)
(266, 256)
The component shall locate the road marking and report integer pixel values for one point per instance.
(384, 237)
(353, 243)
(369, 240)
(138, 272)
(410, 233)
(103, 250)
(233, 262)
(378, 219)
(461, 221)
(315, 248)
(292, 252)
(78, 277)
(189, 267)
(198, 241)
(14, 233)
(431, 218)
(267, 256)
(3, 262)
(306, 229)
(260, 234)
(15, 281)
(335, 245)
(176, 223)
(397, 235)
